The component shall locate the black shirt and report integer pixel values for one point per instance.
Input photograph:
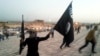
(33, 44)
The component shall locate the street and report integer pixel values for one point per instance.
(51, 46)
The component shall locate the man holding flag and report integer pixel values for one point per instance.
(32, 42)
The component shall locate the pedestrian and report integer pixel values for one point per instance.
(18, 34)
(32, 42)
(1, 36)
(90, 38)
(64, 42)
(52, 32)
(6, 35)
(78, 29)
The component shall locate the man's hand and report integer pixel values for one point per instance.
(21, 46)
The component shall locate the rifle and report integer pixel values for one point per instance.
(22, 36)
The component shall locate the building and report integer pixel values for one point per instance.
(39, 25)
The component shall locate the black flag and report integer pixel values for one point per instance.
(61, 24)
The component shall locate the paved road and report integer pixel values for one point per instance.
(50, 47)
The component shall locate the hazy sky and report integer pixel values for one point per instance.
(49, 10)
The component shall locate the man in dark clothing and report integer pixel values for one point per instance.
(68, 36)
(33, 42)
(6, 35)
(64, 41)
(52, 32)
(78, 29)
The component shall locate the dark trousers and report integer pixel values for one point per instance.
(86, 43)
(7, 37)
(66, 42)
(32, 54)
(52, 34)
